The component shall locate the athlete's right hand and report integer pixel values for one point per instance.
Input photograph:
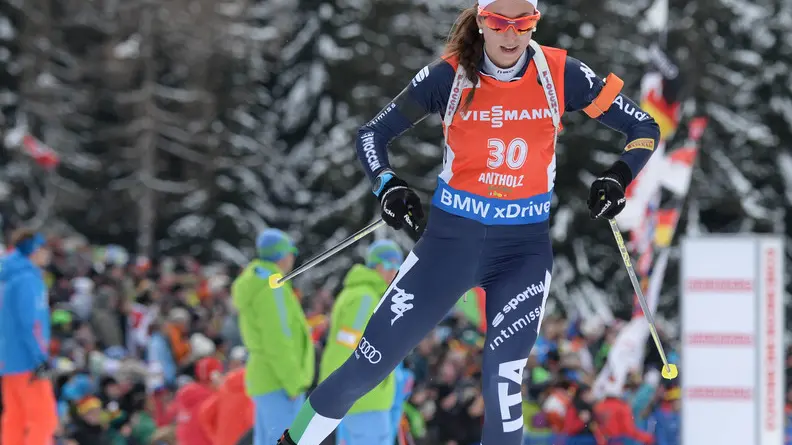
(401, 206)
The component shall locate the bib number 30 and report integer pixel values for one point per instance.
(514, 154)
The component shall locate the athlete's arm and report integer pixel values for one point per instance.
(584, 90)
(426, 93)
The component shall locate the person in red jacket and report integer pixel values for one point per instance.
(228, 414)
(615, 421)
(189, 399)
(580, 424)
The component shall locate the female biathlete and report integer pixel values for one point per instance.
(501, 96)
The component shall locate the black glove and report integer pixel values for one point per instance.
(606, 197)
(42, 371)
(401, 207)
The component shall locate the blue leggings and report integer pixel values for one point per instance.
(512, 263)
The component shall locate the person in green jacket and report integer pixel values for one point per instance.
(368, 422)
(275, 332)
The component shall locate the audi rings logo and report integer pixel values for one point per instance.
(369, 351)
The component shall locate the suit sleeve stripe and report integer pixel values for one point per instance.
(280, 301)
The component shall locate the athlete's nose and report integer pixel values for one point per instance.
(511, 36)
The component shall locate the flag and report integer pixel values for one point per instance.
(661, 97)
(473, 306)
(659, 225)
(44, 156)
(654, 200)
(642, 191)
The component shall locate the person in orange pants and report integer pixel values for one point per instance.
(228, 414)
(29, 410)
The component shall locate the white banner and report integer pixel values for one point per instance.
(732, 319)
(641, 191)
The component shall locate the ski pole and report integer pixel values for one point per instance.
(669, 369)
(277, 280)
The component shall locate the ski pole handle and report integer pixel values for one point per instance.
(278, 280)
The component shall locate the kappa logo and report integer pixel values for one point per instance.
(400, 303)
(589, 73)
(368, 351)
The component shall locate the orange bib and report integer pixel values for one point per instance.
(499, 161)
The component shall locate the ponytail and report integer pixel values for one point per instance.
(467, 44)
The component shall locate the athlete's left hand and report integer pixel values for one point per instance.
(606, 197)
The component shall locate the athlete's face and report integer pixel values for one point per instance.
(504, 44)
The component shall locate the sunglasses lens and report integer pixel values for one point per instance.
(495, 23)
(521, 25)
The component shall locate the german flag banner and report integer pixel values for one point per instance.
(661, 90)
(656, 196)
(661, 97)
(656, 233)
(41, 153)
(650, 241)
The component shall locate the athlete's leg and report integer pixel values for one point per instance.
(517, 288)
(432, 278)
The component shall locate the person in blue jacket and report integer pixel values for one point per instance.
(405, 380)
(29, 408)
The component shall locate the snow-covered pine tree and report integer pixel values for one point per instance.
(343, 64)
(743, 180)
(55, 98)
(241, 169)
(173, 82)
(10, 17)
(745, 88)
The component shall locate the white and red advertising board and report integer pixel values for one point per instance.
(732, 355)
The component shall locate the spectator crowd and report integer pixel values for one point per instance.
(149, 351)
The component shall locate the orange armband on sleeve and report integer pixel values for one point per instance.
(612, 88)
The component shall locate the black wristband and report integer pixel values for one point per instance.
(622, 172)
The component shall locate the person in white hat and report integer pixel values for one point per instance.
(501, 96)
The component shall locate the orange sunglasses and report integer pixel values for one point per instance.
(499, 23)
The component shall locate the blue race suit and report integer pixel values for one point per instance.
(512, 263)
